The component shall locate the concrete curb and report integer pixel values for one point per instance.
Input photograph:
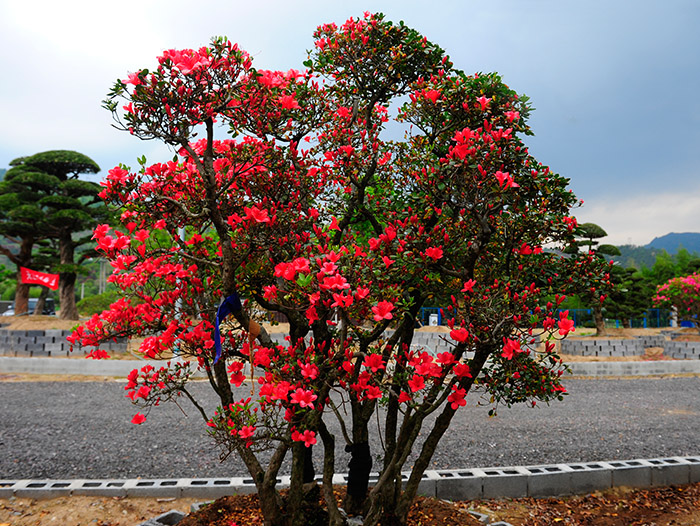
(121, 368)
(467, 484)
(78, 367)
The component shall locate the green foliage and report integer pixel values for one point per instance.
(62, 163)
(609, 250)
(97, 303)
(632, 295)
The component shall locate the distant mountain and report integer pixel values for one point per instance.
(2, 173)
(673, 241)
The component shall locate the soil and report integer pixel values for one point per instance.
(84, 511)
(674, 505)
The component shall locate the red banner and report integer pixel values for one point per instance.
(32, 277)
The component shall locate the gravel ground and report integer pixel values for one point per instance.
(82, 430)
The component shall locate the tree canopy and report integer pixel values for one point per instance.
(308, 209)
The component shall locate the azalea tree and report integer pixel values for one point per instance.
(307, 209)
(683, 295)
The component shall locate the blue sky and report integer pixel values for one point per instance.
(615, 84)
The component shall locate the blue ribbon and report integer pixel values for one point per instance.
(228, 305)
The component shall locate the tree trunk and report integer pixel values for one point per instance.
(626, 323)
(599, 321)
(21, 298)
(23, 259)
(66, 284)
(39, 309)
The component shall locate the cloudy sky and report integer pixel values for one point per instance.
(615, 84)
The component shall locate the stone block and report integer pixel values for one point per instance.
(502, 483)
(549, 481)
(99, 488)
(215, 488)
(7, 489)
(669, 471)
(42, 489)
(460, 485)
(588, 477)
(693, 468)
(168, 518)
(630, 473)
(152, 488)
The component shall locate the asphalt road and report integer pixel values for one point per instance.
(74, 430)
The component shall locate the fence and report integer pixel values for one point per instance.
(653, 318)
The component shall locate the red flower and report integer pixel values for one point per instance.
(256, 214)
(434, 253)
(309, 370)
(483, 102)
(246, 432)
(459, 335)
(311, 314)
(565, 324)
(373, 392)
(469, 286)
(510, 348)
(416, 383)
(432, 95)
(288, 102)
(382, 311)
(303, 397)
(308, 437)
(457, 397)
(341, 300)
(138, 419)
(404, 397)
(462, 369)
(446, 358)
(374, 362)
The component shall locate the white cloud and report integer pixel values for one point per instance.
(640, 218)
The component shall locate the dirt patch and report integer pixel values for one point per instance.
(84, 511)
(37, 323)
(674, 505)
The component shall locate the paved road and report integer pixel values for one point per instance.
(82, 430)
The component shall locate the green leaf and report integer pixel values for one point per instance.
(304, 280)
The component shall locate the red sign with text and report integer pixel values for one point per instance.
(32, 277)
